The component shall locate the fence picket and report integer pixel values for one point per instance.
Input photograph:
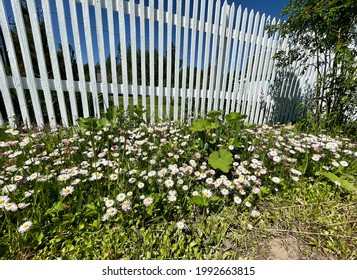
(225, 96)
(236, 63)
(124, 63)
(192, 58)
(42, 63)
(90, 56)
(78, 48)
(6, 95)
(221, 51)
(101, 50)
(16, 76)
(20, 27)
(169, 60)
(152, 59)
(262, 47)
(161, 58)
(142, 58)
(67, 60)
(251, 67)
(199, 59)
(207, 56)
(134, 73)
(235, 35)
(241, 77)
(177, 58)
(184, 62)
(214, 56)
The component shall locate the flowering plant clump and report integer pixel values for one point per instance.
(67, 181)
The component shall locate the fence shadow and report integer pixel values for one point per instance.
(285, 94)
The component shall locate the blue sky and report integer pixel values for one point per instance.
(269, 7)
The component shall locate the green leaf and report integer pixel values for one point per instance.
(199, 201)
(221, 160)
(234, 116)
(201, 125)
(343, 183)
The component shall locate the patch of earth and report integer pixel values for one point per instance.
(289, 248)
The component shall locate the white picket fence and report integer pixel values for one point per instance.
(229, 47)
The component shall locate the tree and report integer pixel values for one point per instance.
(324, 30)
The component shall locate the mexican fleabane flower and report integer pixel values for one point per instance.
(344, 163)
(172, 198)
(207, 193)
(255, 213)
(111, 211)
(126, 205)
(66, 191)
(3, 201)
(224, 192)
(25, 227)
(120, 197)
(148, 201)
(237, 200)
(180, 225)
(108, 202)
(276, 180)
(169, 183)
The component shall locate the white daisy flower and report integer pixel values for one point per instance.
(148, 201)
(237, 200)
(276, 180)
(25, 227)
(180, 225)
(126, 205)
(207, 193)
(111, 212)
(3, 201)
(66, 191)
(255, 213)
(120, 197)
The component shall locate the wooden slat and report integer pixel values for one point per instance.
(6, 96)
(90, 56)
(240, 79)
(214, 56)
(54, 61)
(207, 56)
(16, 76)
(177, 58)
(123, 45)
(185, 58)
(169, 60)
(192, 59)
(133, 52)
(266, 67)
(199, 58)
(271, 101)
(235, 34)
(67, 60)
(41, 62)
(152, 59)
(251, 64)
(257, 69)
(161, 58)
(225, 96)
(78, 48)
(113, 53)
(21, 30)
(142, 58)
(221, 50)
(101, 50)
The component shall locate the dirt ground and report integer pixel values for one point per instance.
(289, 248)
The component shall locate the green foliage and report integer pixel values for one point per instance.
(326, 31)
(221, 159)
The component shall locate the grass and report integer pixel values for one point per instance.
(117, 188)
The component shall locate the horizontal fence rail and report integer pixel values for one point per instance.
(61, 60)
